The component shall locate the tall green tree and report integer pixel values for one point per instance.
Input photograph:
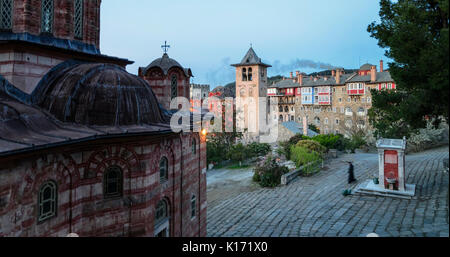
(415, 35)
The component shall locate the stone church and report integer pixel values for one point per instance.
(85, 146)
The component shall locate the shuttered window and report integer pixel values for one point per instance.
(6, 7)
(78, 19)
(47, 16)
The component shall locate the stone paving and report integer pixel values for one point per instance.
(315, 206)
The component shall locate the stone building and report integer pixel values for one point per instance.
(251, 85)
(198, 94)
(85, 146)
(332, 103)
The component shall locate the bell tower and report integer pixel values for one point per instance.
(251, 85)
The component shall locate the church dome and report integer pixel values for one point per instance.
(366, 66)
(97, 94)
(165, 64)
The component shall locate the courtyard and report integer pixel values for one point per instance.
(315, 207)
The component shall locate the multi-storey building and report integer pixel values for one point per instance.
(332, 103)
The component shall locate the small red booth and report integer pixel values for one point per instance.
(392, 164)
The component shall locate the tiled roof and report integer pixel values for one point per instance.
(251, 58)
(309, 82)
(297, 128)
(366, 66)
(381, 78)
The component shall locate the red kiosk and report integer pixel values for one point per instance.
(392, 164)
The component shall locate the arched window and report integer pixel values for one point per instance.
(281, 118)
(78, 19)
(242, 92)
(281, 108)
(194, 146)
(250, 92)
(250, 74)
(193, 206)
(174, 86)
(113, 182)
(162, 219)
(47, 16)
(6, 13)
(286, 109)
(47, 201)
(317, 120)
(244, 74)
(163, 169)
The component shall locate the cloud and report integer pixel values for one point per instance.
(299, 64)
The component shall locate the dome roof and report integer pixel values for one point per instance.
(366, 66)
(165, 64)
(97, 94)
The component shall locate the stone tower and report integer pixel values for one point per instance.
(251, 86)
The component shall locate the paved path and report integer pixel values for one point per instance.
(315, 207)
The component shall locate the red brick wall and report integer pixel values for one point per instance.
(78, 172)
(27, 18)
(161, 84)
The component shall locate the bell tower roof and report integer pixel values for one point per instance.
(251, 58)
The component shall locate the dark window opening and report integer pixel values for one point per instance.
(113, 182)
(47, 16)
(6, 13)
(47, 201)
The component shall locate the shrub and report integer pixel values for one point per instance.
(268, 172)
(237, 153)
(312, 146)
(215, 153)
(295, 139)
(329, 141)
(309, 160)
(356, 142)
(257, 149)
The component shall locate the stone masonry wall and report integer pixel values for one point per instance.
(82, 209)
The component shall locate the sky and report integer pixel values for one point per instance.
(209, 35)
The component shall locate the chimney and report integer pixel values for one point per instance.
(297, 73)
(381, 66)
(333, 73)
(305, 126)
(338, 77)
(300, 79)
(373, 73)
(292, 75)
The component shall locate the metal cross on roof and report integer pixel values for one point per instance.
(165, 47)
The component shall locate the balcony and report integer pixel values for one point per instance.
(356, 92)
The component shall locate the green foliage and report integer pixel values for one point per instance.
(314, 128)
(257, 149)
(312, 146)
(415, 34)
(329, 141)
(237, 153)
(214, 153)
(268, 172)
(299, 137)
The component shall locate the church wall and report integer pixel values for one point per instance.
(161, 85)
(27, 19)
(82, 209)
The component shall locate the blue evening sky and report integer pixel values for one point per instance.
(209, 35)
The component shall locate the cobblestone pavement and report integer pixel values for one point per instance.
(315, 206)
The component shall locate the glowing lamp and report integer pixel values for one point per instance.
(204, 132)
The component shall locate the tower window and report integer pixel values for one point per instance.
(250, 74)
(174, 86)
(113, 182)
(47, 201)
(47, 16)
(78, 19)
(6, 14)
(244, 74)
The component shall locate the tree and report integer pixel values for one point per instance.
(415, 34)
